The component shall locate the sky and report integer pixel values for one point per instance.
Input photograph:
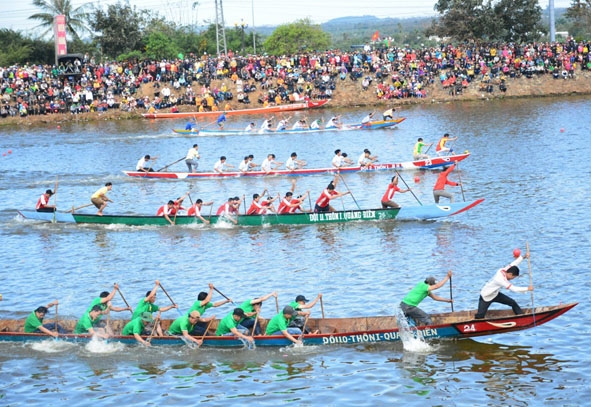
(266, 12)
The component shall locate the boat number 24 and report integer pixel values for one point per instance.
(469, 328)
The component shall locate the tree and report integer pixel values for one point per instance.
(505, 20)
(579, 14)
(120, 29)
(301, 36)
(160, 46)
(75, 17)
(19, 49)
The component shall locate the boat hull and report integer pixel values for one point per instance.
(425, 212)
(371, 126)
(432, 163)
(260, 110)
(336, 331)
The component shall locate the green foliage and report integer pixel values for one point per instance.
(131, 56)
(19, 49)
(120, 29)
(75, 17)
(579, 16)
(504, 20)
(159, 45)
(301, 36)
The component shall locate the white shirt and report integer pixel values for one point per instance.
(281, 125)
(332, 123)
(219, 166)
(266, 165)
(366, 119)
(266, 125)
(290, 164)
(491, 289)
(363, 160)
(141, 164)
(337, 161)
(250, 127)
(192, 153)
(315, 125)
(243, 167)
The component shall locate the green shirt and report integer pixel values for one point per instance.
(198, 307)
(144, 306)
(277, 323)
(84, 324)
(226, 324)
(97, 301)
(247, 306)
(32, 323)
(135, 326)
(179, 325)
(417, 294)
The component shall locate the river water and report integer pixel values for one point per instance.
(528, 160)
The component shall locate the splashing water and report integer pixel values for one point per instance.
(411, 338)
(52, 346)
(97, 345)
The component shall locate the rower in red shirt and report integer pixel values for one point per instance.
(43, 202)
(323, 202)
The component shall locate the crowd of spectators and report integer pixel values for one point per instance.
(211, 83)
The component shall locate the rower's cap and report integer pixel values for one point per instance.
(146, 316)
(301, 298)
(49, 192)
(430, 280)
(288, 310)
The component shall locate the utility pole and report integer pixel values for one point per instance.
(552, 24)
(220, 27)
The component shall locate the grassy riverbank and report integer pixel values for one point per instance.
(350, 94)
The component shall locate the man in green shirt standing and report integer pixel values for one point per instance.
(146, 304)
(34, 322)
(278, 325)
(409, 304)
(185, 324)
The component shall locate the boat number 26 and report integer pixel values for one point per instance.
(469, 328)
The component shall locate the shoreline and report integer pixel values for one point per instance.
(349, 94)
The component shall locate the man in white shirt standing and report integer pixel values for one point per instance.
(502, 279)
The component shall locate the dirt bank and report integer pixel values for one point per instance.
(350, 94)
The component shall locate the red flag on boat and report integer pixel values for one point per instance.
(375, 36)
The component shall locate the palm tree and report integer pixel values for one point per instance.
(75, 17)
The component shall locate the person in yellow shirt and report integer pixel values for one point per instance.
(100, 198)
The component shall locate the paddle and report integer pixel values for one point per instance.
(54, 199)
(173, 303)
(322, 307)
(531, 280)
(223, 295)
(124, 300)
(350, 193)
(461, 183)
(427, 150)
(411, 191)
(166, 166)
(191, 200)
(451, 294)
(206, 329)
(80, 207)
(254, 326)
(277, 304)
(56, 320)
(301, 338)
(154, 328)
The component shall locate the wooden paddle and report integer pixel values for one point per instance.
(413, 194)
(206, 329)
(350, 193)
(531, 280)
(277, 304)
(451, 294)
(322, 307)
(54, 200)
(166, 166)
(56, 319)
(256, 320)
(124, 300)
(223, 295)
(154, 328)
(80, 207)
(461, 183)
(191, 200)
(173, 303)
(301, 338)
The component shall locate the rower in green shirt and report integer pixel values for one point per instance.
(185, 324)
(34, 322)
(278, 325)
(409, 304)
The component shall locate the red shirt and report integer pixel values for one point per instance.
(324, 198)
(165, 209)
(43, 201)
(392, 188)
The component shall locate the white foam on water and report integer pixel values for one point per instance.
(98, 345)
(412, 340)
(52, 346)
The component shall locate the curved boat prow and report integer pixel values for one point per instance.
(427, 212)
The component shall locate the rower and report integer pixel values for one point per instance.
(142, 166)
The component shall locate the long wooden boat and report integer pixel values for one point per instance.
(432, 163)
(334, 331)
(425, 212)
(348, 127)
(256, 110)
